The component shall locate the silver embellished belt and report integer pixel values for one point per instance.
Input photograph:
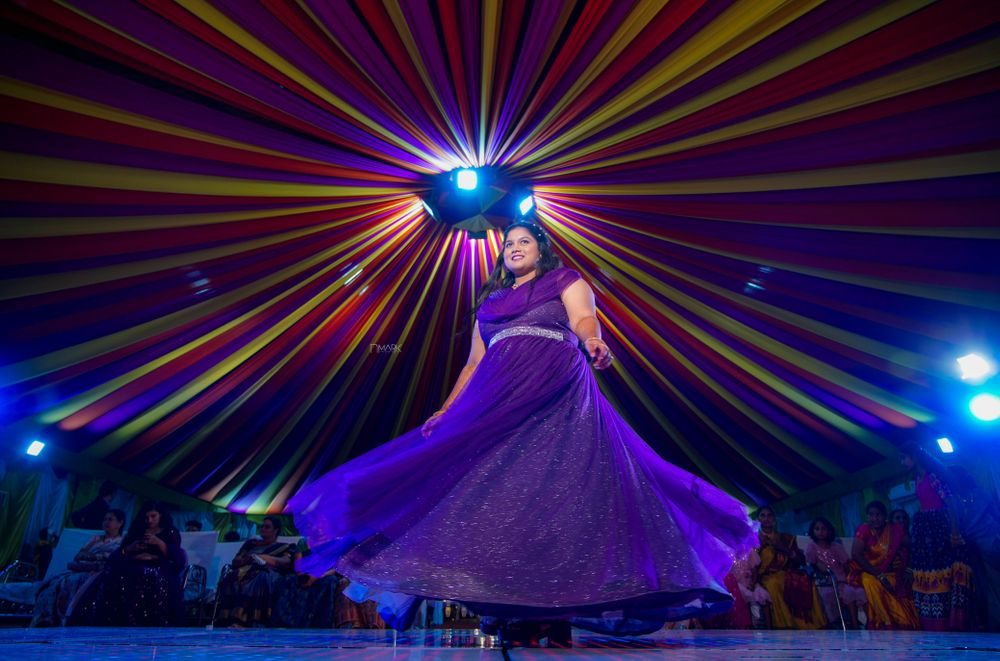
(526, 330)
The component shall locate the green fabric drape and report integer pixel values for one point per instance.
(223, 522)
(829, 510)
(84, 493)
(21, 488)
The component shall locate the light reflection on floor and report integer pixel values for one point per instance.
(75, 644)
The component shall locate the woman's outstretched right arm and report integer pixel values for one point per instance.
(476, 353)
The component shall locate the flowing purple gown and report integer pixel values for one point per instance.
(532, 498)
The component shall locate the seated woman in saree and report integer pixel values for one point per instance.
(302, 601)
(879, 566)
(795, 603)
(68, 594)
(141, 584)
(247, 593)
(350, 614)
(319, 602)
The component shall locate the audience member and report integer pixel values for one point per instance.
(305, 601)
(141, 585)
(901, 517)
(247, 593)
(60, 597)
(795, 602)
(750, 600)
(827, 554)
(349, 614)
(879, 567)
(41, 555)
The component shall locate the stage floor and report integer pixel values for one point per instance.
(460, 645)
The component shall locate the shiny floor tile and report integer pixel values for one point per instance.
(463, 645)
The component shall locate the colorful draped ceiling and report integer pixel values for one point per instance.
(213, 235)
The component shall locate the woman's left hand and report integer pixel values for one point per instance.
(153, 540)
(599, 352)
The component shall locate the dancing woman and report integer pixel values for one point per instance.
(528, 496)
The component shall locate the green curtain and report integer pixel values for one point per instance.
(85, 491)
(877, 491)
(223, 522)
(829, 510)
(21, 487)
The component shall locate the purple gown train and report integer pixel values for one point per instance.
(532, 498)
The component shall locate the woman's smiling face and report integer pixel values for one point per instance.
(520, 251)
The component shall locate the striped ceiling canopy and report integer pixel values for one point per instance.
(217, 273)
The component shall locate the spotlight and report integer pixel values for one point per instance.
(526, 205)
(466, 179)
(985, 406)
(475, 200)
(35, 448)
(975, 367)
(945, 445)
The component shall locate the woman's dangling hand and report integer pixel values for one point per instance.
(600, 354)
(431, 423)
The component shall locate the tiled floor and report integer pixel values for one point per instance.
(277, 645)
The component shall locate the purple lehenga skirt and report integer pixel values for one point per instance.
(531, 499)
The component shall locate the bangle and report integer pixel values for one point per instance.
(594, 338)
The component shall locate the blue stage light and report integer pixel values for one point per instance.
(985, 406)
(466, 179)
(975, 368)
(945, 445)
(35, 448)
(526, 205)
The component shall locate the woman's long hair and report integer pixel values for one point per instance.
(921, 457)
(825, 522)
(501, 277)
(138, 528)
